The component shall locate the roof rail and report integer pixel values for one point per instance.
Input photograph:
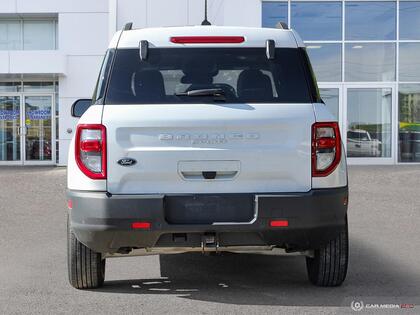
(128, 26)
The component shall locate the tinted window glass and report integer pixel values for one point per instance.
(273, 13)
(317, 20)
(326, 61)
(409, 20)
(370, 20)
(370, 62)
(242, 74)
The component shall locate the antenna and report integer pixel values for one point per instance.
(205, 22)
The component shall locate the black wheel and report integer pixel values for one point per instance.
(328, 267)
(86, 268)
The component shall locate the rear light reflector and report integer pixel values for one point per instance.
(141, 225)
(90, 150)
(207, 39)
(326, 148)
(279, 223)
(70, 204)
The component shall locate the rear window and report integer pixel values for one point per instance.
(243, 75)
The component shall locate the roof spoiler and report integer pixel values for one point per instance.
(282, 25)
(128, 26)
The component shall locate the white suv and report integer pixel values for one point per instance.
(206, 139)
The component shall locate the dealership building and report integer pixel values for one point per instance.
(365, 54)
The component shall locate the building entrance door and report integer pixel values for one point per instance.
(27, 130)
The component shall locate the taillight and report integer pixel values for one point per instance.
(326, 148)
(90, 150)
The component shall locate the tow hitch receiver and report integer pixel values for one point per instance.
(209, 242)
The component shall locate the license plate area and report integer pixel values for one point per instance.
(209, 209)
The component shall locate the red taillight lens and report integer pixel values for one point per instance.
(90, 150)
(326, 148)
(207, 39)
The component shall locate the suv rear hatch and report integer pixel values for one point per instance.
(200, 120)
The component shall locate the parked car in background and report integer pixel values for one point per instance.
(361, 144)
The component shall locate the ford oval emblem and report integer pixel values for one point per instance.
(127, 162)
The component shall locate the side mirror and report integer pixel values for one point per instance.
(80, 106)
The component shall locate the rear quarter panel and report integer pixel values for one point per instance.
(76, 180)
(338, 178)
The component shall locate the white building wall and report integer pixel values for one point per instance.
(83, 36)
(152, 13)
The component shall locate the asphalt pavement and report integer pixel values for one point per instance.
(384, 271)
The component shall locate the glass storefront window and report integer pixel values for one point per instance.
(317, 20)
(409, 19)
(409, 62)
(370, 62)
(274, 12)
(38, 123)
(371, 20)
(10, 35)
(38, 87)
(369, 122)
(409, 123)
(331, 100)
(326, 61)
(9, 87)
(28, 34)
(38, 35)
(9, 128)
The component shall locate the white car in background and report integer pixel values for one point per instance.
(361, 144)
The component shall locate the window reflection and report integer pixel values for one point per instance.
(409, 126)
(409, 62)
(331, 100)
(369, 122)
(9, 128)
(370, 20)
(274, 12)
(370, 62)
(326, 61)
(410, 20)
(317, 20)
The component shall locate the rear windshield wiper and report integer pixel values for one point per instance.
(219, 93)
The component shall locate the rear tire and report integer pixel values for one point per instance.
(328, 267)
(86, 268)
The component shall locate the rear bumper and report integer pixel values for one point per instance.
(103, 222)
